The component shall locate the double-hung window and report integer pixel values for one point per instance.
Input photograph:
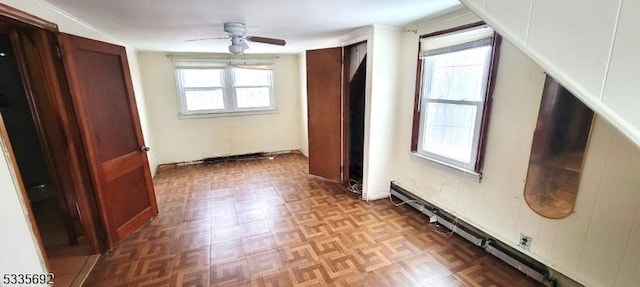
(454, 80)
(213, 87)
(252, 87)
(201, 89)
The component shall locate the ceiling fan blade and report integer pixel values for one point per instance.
(205, 39)
(266, 40)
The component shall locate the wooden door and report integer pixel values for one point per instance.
(102, 92)
(325, 116)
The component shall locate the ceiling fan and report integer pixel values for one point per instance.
(237, 32)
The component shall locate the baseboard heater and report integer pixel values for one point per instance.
(514, 258)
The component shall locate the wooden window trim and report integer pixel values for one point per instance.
(415, 130)
(452, 30)
(484, 125)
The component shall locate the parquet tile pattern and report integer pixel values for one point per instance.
(266, 222)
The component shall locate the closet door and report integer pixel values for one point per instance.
(102, 93)
(325, 116)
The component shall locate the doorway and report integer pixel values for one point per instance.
(355, 96)
(65, 246)
(74, 92)
(336, 105)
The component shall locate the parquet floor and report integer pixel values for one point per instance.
(267, 223)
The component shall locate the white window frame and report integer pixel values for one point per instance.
(234, 87)
(182, 90)
(228, 89)
(449, 43)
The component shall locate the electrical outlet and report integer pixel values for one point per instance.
(525, 241)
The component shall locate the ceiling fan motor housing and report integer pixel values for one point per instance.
(235, 29)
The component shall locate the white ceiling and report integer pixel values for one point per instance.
(164, 25)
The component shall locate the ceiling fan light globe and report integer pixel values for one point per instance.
(236, 50)
(238, 45)
(243, 44)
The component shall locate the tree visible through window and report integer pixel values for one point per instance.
(454, 80)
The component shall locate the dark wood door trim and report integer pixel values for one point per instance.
(31, 65)
(48, 96)
(21, 18)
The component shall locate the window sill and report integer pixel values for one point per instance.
(463, 173)
(226, 114)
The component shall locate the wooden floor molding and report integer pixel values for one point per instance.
(266, 222)
(85, 271)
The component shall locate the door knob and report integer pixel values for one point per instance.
(145, 148)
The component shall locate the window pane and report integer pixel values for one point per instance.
(204, 100)
(458, 75)
(449, 129)
(252, 77)
(253, 97)
(199, 78)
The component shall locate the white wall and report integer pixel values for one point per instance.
(598, 244)
(180, 140)
(385, 52)
(589, 47)
(141, 102)
(19, 252)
